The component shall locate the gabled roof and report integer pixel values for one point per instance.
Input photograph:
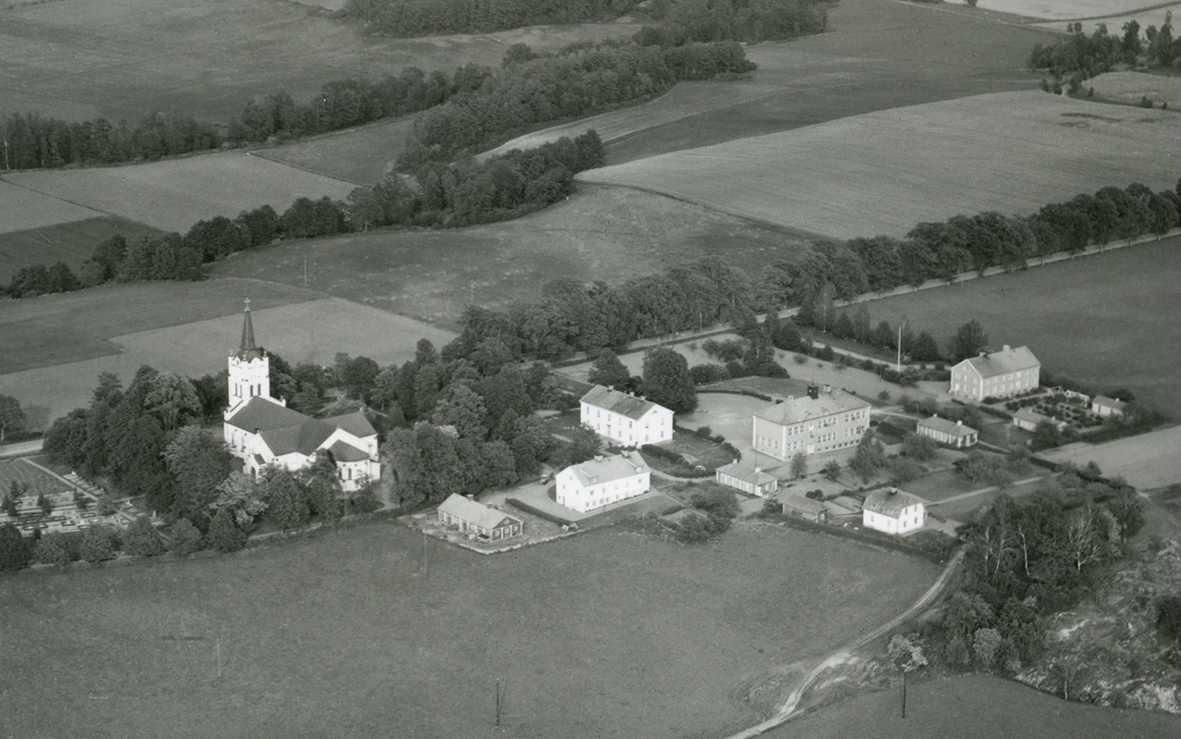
(1003, 362)
(617, 402)
(607, 468)
(476, 513)
(355, 423)
(342, 451)
(947, 427)
(1029, 414)
(890, 502)
(794, 410)
(803, 505)
(1107, 402)
(262, 414)
(745, 471)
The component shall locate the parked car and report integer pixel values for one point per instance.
(545, 477)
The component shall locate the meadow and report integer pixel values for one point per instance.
(71, 242)
(359, 155)
(970, 707)
(1066, 9)
(174, 194)
(79, 59)
(1132, 87)
(605, 234)
(1147, 461)
(1106, 320)
(373, 630)
(22, 209)
(884, 172)
(66, 348)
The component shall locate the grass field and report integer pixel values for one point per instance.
(1066, 9)
(79, 59)
(1147, 461)
(22, 210)
(881, 173)
(173, 195)
(72, 243)
(974, 707)
(608, 234)
(1131, 87)
(1155, 16)
(289, 322)
(1108, 320)
(360, 155)
(607, 634)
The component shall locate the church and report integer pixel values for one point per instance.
(262, 430)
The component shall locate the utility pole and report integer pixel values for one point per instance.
(219, 657)
(498, 703)
(898, 364)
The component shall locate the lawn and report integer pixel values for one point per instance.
(598, 234)
(172, 195)
(974, 707)
(885, 172)
(287, 321)
(1147, 461)
(78, 59)
(607, 634)
(72, 243)
(1107, 320)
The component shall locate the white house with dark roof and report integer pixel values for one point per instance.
(996, 374)
(951, 433)
(624, 418)
(821, 421)
(601, 481)
(486, 522)
(1104, 406)
(747, 477)
(893, 511)
(261, 430)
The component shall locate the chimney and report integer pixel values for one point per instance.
(470, 497)
(611, 387)
(598, 457)
(959, 423)
(893, 491)
(758, 470)
(827, 389)
(1006, 347)
(813, 392)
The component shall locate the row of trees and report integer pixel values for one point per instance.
(532, 90)
(685, 21)
(408, 18)
(1100, 52)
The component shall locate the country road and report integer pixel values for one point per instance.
(787, 711)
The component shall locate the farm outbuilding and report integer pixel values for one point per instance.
(485, 521)
(806, 508)
(1104, 406)
(893, 511)
(1028, 419)
(951, 433)
(748, 478)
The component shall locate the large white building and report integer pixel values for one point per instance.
(821, 421)
(601, 481)
(261, 430)
(996, 375)
(893, 511)
(624, 418)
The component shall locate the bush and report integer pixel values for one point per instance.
(696, 528)
(141, 539)
(716, 502)
(186, 538)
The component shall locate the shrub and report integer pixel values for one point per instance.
(141, 539)
(716, 502)
(186, 538)
(14, 552)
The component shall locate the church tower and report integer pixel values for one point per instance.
(250, 370)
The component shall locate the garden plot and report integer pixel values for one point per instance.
(884, 172)
(172, 195)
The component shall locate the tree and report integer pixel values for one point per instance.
(239, 494)
(969, 340)
(985, 643)
(799, 465)
(14, 553)
(198, 462)
(869, 458)
(832, 470)
(12, 418)
(667, 382)
(907, 655)
(462, 409)
(53, 549)
(584, 444)
(97, 545)
(142, 539)
(286, 501)
(918, 447)
(186, 538)
(608, 371)
(224, 535)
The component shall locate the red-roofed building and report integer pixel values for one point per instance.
(261, 430)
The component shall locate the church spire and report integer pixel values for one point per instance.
(248, 350)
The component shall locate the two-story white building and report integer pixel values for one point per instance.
(624, 418)
(996, 374)
(261, 430)
(893, 511)
(821, 421)
(601, 481)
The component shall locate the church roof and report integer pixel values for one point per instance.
(263, 414)
(342, 451)
(286, 431)
(355, 423)
(248, 350)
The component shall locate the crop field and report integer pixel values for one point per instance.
(884, 172)
(1147, 461)
(22, 209)
(359, 155)
(77, 59)
(1066, 9)
(172, 195)
(599, 233)
(72, 243)
(606, 634)
(1107, 320)
(968, 707)
(1155, 15)
(290, 322)
(1131, 87)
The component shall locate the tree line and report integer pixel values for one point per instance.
(530, 90)
(1089, 56)
(447, 195)
(677, 21)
